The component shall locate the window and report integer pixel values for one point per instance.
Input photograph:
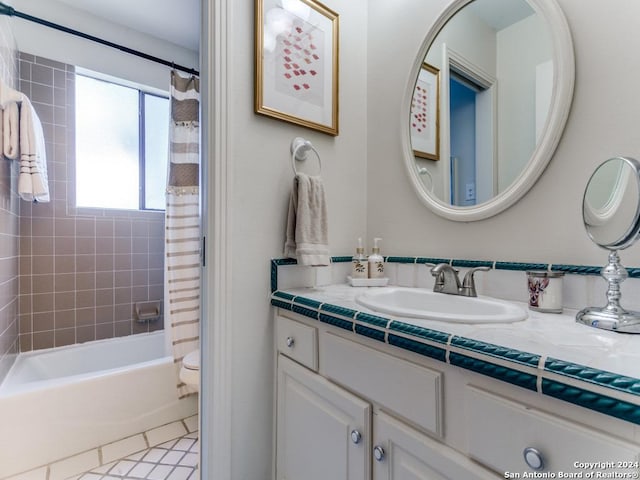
(122, 138)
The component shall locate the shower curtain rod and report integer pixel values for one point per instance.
(12, 12)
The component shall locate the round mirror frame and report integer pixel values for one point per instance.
(631, 233)
(562, 95)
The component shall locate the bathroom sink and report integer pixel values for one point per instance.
(421, 303)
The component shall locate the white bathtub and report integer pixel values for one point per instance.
(61, 401)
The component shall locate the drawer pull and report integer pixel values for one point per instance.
(355, 436)
(533, 457)
(291, 342)
(378, 453)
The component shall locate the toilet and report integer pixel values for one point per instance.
(190, 371)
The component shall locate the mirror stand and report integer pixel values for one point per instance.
(612, 316)
(611, 215)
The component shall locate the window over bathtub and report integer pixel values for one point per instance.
(122, 140)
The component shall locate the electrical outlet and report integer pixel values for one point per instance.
(470, 191)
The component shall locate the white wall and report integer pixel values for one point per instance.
(546, 225)
(63, 47)
(517, 60)
(262, 179)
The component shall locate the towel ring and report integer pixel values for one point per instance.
(299, 149)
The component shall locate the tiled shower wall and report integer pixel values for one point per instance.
(8, 220)
(82, 271)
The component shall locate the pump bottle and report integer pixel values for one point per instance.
(376, 261)
(359, 265)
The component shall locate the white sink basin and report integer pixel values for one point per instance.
(421, 303)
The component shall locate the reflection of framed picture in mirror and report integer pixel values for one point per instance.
(296, 75)
(425, 114)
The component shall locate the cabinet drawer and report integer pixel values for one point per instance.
(499, 431)
(402, 387)
(297, 341)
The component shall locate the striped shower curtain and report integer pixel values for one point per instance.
(182, 223)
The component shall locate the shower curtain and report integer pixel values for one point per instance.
(182, 223)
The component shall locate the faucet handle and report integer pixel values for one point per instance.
(469, 284)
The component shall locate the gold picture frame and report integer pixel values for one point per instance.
(296, 63)
(425, 114)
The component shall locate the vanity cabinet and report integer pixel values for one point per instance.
(349, 407)
(322, 430)
(402, 453)
(328, 431)
(544, 439)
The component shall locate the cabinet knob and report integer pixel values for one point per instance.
(378, 453)
(355, 436)
(290, 342)
(533, 458)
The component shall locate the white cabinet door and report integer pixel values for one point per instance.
(402, 453)
(323, 431)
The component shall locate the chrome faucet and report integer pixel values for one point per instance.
(447, 280)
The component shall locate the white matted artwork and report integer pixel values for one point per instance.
(296, 76)
(425, 114)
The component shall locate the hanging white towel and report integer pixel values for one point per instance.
(307, 226)
(10, 130)
(23, 137)
(32, 181)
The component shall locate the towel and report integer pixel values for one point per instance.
(307, 232)
(32, 181)
(10, 131)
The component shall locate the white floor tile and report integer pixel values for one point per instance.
(137, 456)
(161, 472)
(141, 470)
(180, 473)
(168, 445)
(189, 460)
(184, 444)
(172, 458)
(154, 455)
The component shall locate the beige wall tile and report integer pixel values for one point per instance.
(80, 269)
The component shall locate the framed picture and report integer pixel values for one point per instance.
(296, 75)
(425, 114)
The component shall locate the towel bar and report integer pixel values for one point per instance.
(299, 149)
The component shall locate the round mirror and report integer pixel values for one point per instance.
(611, 203)
(487, 102)
(611, 213)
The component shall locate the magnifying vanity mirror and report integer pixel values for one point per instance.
(486, 104)
(611, 213)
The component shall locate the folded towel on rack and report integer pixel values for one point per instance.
(32, 181)
(307, 236)
(10, 131)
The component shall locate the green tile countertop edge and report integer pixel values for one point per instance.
(519, 368)
(633, 272)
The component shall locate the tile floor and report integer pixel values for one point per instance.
(173, 460)
(167, 452)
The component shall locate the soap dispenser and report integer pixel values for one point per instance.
(376, 261)
(359, 265)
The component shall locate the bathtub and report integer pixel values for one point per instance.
(61, 401)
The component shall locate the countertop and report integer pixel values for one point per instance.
(549, 353)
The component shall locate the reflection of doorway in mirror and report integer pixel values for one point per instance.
(468, 191)
(471, 120)
(462, 117)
